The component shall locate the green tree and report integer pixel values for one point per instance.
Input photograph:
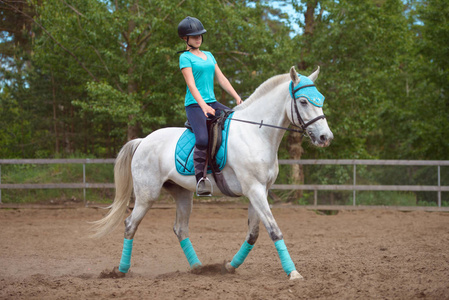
(429, 116)
(123, 53)
(359, 46)
(16, 37)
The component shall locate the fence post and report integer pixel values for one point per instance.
(439, 187)
(354, 183)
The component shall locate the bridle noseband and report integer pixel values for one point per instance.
(302, 125)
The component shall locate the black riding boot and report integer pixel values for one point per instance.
(199, 162)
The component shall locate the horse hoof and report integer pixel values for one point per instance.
(196, 268)
(227, 267)
(294, 275)
(115, 273)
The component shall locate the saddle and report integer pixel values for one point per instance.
(215, 126)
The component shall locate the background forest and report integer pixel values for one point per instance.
(81, 77)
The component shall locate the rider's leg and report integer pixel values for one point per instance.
(218, 105)
(199, 162)
(197, 120)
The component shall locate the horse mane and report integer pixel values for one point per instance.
(268, 85)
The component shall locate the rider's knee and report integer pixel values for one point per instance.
(201, 143)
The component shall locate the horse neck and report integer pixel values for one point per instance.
(269, 107)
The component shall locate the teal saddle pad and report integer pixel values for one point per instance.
(184, 151)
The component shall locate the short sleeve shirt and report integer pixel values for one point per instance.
(203, 73)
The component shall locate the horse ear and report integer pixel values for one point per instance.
(294, 75)
(314, 75)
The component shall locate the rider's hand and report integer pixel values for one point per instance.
(208, 110)
(238, 100)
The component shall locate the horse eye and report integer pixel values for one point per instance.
(303, 101)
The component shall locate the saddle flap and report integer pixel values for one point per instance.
(188, 126)
(184, 150)
(215, 126)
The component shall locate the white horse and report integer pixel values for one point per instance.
(147, 165)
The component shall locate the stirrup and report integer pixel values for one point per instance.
(211, 187)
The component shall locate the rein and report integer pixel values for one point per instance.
(268, 125)
(302, 126)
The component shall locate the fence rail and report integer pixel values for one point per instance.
(354, 187)
(315, 187)
(84, 185)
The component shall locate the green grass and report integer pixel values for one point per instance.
(56, 173)
(385, 198)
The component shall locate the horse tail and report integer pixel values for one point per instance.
(123, 181)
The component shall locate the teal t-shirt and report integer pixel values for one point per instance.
(203, 73)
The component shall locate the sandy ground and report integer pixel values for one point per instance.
(381, 254)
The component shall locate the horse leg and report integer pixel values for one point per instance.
(258, 198)
(247, 246)
(131, 224)
(184, 200)
(146, 192)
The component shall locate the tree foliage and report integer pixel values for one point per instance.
(84, 76)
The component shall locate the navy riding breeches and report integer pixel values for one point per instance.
(197, 120)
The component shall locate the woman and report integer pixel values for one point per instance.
(199, 69)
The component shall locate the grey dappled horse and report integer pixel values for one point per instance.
(147, 165)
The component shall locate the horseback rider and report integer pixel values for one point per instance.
(199, 69)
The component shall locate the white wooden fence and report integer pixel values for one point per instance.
(315, 187)
(354, 187)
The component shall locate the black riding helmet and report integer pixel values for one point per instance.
(190, 27)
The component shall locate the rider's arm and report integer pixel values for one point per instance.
(190, 80)
(226, 85)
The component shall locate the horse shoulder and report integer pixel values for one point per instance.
(253, 158)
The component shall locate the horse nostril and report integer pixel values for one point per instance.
(323, 138)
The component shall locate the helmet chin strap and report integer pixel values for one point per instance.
(187, 42)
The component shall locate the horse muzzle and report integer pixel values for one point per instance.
(323, 139)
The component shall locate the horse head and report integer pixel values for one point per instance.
(305, 110)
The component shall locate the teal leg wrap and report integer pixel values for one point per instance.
(125, 262)
(241, 255)
(190, 254)
(286, 261)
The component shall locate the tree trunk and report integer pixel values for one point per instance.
(309, 17)
(295, 149)
(109, 152)
(309, 26)
(55, 119)
(134, 131)
(297, 176)
(72, 139)
(134, 128)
